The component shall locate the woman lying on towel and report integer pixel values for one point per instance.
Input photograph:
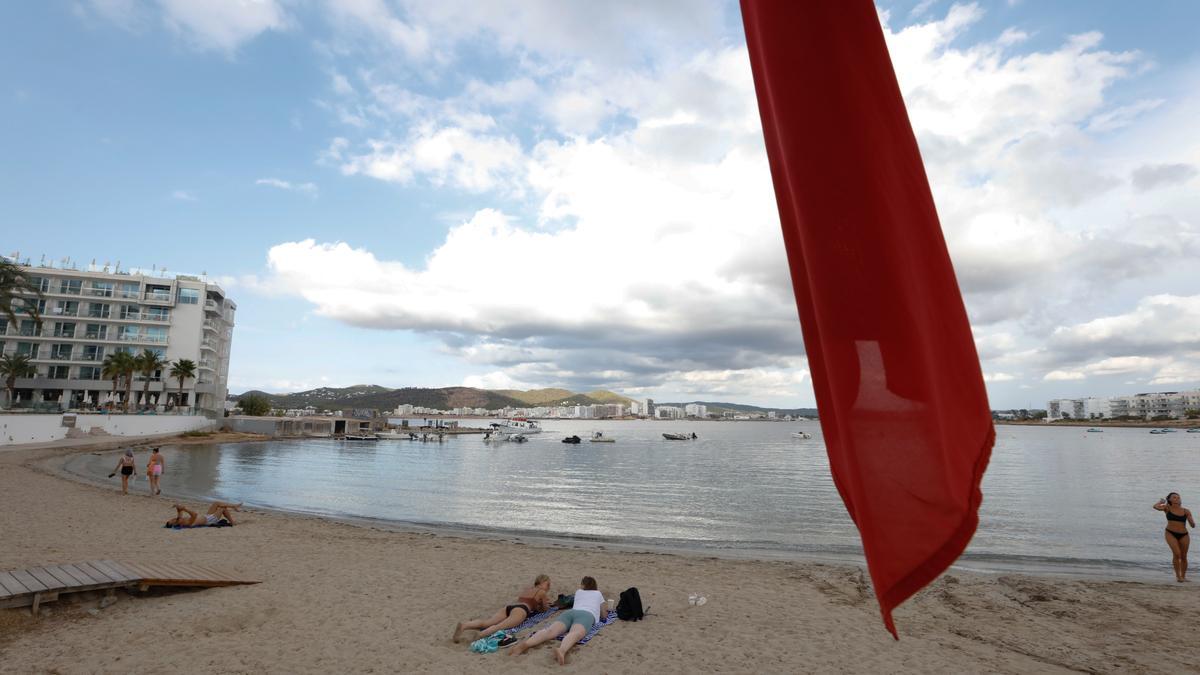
(531, 601)
(575, 622)
(219, 515)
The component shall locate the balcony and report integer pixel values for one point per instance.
(65, 334)
(160, 339)
(154, 317)
(209, 345)
(103, 335)
(90, 357)
(29, 332)
(98, 315)
(55, 356)
(128, 295)
(100, 292)
(211, 325)
(158, 296)
(211, 306)
(63, 311)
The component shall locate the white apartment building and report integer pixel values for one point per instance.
(89, 314)
(668, 412)
(1173, 404)
(696, 410)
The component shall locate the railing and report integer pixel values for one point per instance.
(58, 356)
(69, 290)
(64, 334)
(210, 304)
(128, 295)
(90, 357)
(96, 336)
(142, 338)
(92, 314)
(29, 332)
(155, 317)
(209, 325)
(100, 292)
(64, 311)
(159, 296)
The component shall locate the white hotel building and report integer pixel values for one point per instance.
(1166, 404)
(87, 315)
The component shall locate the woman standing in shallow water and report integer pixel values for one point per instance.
(1178, 518)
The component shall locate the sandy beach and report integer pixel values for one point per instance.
(339, 597)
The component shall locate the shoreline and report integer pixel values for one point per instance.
(1099, 424)
(356, 598)
(973, 563)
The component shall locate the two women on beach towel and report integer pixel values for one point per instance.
(532, 600)
(575, 622)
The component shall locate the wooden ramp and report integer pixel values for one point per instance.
(35, 585)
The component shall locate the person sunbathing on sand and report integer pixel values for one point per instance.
(531, 601)
(576, 622)
(217, 511)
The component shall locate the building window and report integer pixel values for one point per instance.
(98, 310)
(64, 330)
(41, 284)
(26, 303)
(92, 353)
(154, 334)
(129, 290)
(30, 328)
(70, 286)
(158, 313)
(3, 326)
(29, 349)
(101, 289)
(66, 307)
(89, 373)
(58, 372)
(129, 333)
(96, 331)
(60, 352)
(189, 296)
(130, 312)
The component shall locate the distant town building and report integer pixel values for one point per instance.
(1167, 404)
(91, 313)
(695, 410)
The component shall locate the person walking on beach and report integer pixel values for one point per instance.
(530, 601)
(126, 466)
(154, 470)
(576, 622)
(1178, 518)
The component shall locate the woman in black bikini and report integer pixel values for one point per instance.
(532, 600)
(126, 467)
(1178, 518)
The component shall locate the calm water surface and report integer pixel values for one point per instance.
(1054, 498)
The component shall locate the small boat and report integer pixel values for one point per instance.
(1193, 431)
(679, 437)
(517, 438)
(1167, 431)
(1094, 430)
(517, 425)
(599, 437)
(1157, 431)
(801, 434)
(360, 437)
(393, 435)
(572, 439)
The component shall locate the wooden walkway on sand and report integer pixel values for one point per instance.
(35, 585)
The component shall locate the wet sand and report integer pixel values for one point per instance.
(339, 597)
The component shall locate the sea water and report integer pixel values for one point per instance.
(1055, 499)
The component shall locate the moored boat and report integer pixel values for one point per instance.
(517, 425)
(801, 434)
(360, 437)
(599, 437)
(679, 437)
(572, 439)
(1094, 430)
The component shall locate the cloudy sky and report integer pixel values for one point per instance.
(547, 193)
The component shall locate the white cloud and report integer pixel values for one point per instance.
(217, 25)
(998, 377)
(451, 156)
(1150, 176)
(308, 188)
(223, 25)
(184, 195)
(1062, 375)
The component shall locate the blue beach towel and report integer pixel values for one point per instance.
(533, 620)
(488, 644)
(611, 618)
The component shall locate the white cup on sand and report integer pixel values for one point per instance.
(612, 604)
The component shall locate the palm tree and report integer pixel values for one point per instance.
(14, 284)
(147, 363)
(13, 366)
(182, 370)
(116, 366)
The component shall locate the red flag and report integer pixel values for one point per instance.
(903, 406)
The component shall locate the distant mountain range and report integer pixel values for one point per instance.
(447, 398)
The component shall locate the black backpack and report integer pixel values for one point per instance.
(630, 606)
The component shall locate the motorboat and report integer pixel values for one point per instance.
(679, 437)
(572, 439)
(517, 425)
(1193, 431)
(599, 437)
(1094, 430)
(360, 437)
(801, 434)
(394, 435)
(1157, 431)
